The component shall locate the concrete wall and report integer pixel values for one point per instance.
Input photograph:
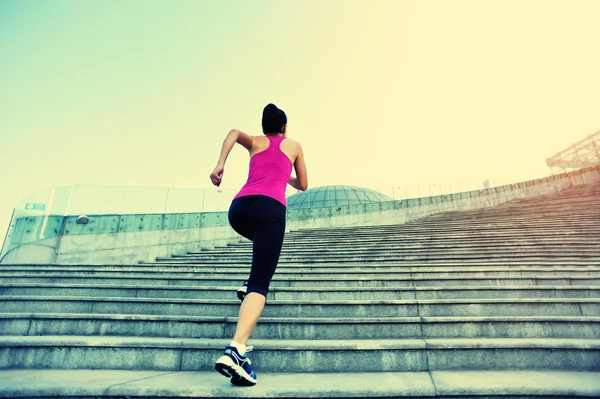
(128, 239)
(116, 239)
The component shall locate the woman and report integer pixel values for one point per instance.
(258, 212)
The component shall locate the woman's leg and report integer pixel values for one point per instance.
(250, 312)
(268, 216)
(239, 218)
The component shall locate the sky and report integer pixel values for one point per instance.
(380, 93)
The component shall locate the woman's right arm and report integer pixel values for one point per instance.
(234, 136)
(300, 182)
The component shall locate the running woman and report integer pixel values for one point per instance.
(258, 213)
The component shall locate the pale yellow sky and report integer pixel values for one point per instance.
(380, 93)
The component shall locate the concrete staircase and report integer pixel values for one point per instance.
(499, 301)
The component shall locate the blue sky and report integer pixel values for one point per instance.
(380, 93)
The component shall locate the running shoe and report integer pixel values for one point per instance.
(241, 292)
(236, 366)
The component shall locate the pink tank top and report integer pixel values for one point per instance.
(269, 172)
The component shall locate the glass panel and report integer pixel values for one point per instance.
(88, 200)
(329, 198)
(217, 200)
(387, 206)
(144, 200)
(36, 217)
(353, 196)
(372, 197)
(292, 200)
(319, 196)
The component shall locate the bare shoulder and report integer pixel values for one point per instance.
(294, 143)
(261, 138)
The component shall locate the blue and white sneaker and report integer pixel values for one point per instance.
(241, 292)
(236, 366)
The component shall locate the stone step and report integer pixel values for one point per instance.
(42, 324)
(501, 213)
(450, 225)
(307, 280)
(442, 221)
(387, 256)
(388, 250)
(524, 209)
(558, 215)
(338, 271)
(570, 203)
(341, 271)
(408, 245)
(472, 221)
(490, 229)
(309, 356)
(403, 231)
(491, 234)
(409, 250)
(592, 258)
(515, 211)
(519, 214)
(303, 293)
(451, 238)
(441, 228)
(431, 243)
(303, 308)
(125, 384)
(397, 262)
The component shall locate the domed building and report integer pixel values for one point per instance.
(326, 196)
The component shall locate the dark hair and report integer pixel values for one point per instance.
(273, 119)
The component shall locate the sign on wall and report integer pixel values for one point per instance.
(35, 207)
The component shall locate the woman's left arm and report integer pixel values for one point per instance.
(234, 136)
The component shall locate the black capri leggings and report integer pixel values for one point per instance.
(260, 219)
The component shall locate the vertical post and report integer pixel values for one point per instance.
(62, 229)
(69, 200)
(203, 196)
(50, 201)
(596, 149)
(123, 201)
(7, 234)
(166, 201)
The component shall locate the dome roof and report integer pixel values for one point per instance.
(325, 196)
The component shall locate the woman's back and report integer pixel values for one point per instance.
(288, 146)
(270, 167)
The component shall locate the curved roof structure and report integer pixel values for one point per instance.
(325, 196)
(582, 154)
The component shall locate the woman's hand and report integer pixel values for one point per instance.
(216, 177)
